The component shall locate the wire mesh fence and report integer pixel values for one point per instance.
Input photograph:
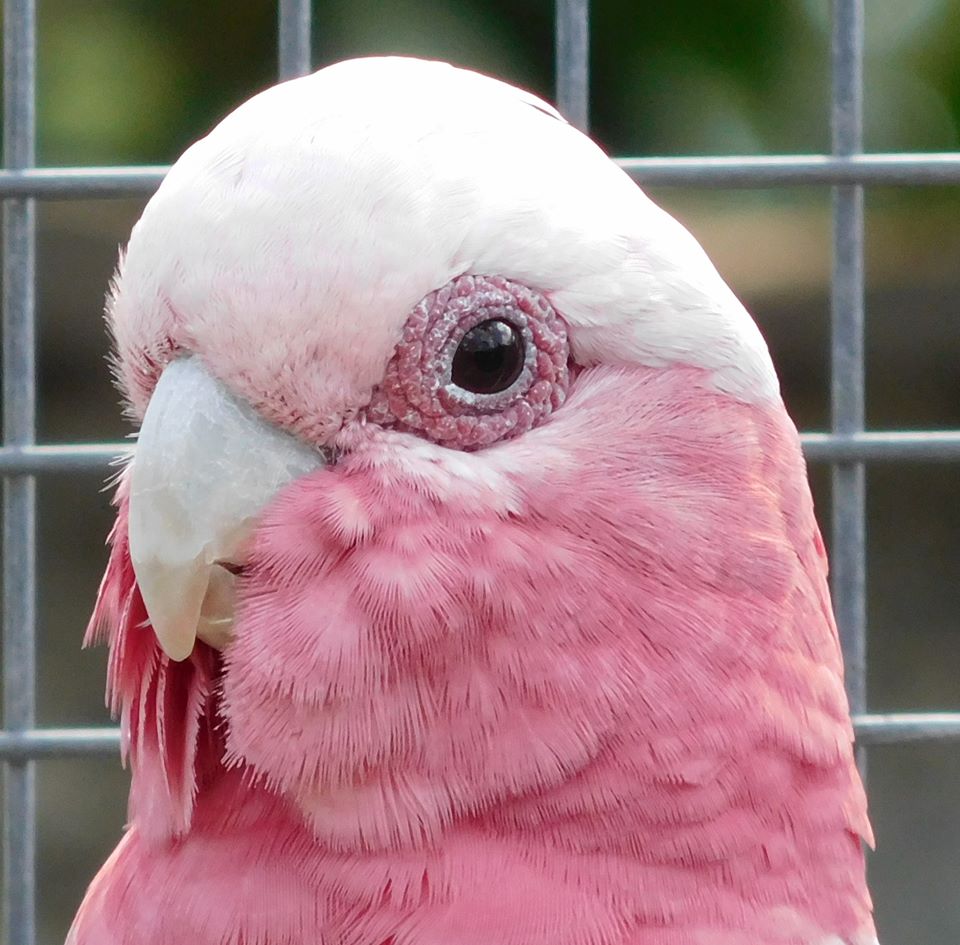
(847, 447)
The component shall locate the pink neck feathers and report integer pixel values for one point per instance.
(586, 688)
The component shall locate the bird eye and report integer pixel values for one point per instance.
(482, 359)
(489, 358)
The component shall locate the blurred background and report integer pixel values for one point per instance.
(135, 81)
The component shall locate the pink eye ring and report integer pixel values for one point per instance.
(482, 359)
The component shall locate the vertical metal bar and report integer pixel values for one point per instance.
(847, 350)
(293, 38)
(573, 61)
(19, 506)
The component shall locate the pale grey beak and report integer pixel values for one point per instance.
(205, 466)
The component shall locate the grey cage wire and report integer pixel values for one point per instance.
(847, 447)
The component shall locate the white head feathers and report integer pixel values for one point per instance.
(287, 247)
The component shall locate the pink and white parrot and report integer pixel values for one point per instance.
(465, 587)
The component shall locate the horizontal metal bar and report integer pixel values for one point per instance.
(87, 457)
(54, 183)
(45, 743)
(914, 169)
(59, 743)
(899, 727)
(783, 170)
(912, 446)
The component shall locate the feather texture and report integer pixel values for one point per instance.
(166, 709)
(529, 695)
(581, 686)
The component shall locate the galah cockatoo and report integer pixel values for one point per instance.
(465, 587)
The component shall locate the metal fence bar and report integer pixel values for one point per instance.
(912, 446)
(896, 728)
(795, 170)
(900, 170)
(848, 545)
(293, 38)
(79, 183)
(572, 61)
(59, 743)
(19, 497)
(915, 446)
(33, 460)
(47, 743)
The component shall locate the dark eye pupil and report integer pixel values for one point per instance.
(489, 358)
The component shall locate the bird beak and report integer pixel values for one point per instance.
(205, 466)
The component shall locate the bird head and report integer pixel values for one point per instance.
(466, 482)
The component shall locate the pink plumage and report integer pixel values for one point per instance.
(558, 667)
